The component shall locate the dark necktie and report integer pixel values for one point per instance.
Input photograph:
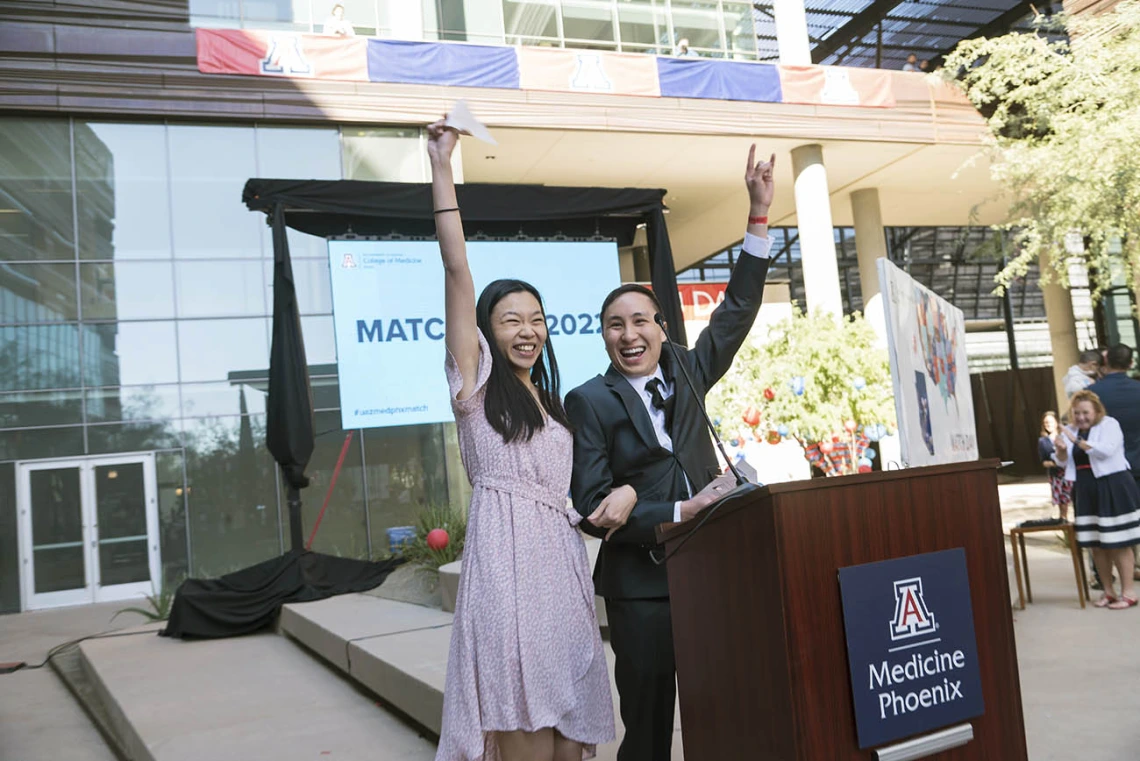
(658, 400)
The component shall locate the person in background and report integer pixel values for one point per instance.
(1121, 398)
(911, 63)
(924, 66)
(1061, 489)
(683, 51)
(337, 25)
(1107, 497)
(1082, 374)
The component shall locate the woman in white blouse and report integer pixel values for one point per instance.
(1105, 495)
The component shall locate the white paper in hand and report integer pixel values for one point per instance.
(461, 118)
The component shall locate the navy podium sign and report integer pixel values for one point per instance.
(910, 645)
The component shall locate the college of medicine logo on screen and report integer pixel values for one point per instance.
(912, 618)
(348, 263)
(284, 56)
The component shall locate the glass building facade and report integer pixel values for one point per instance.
(135, 303)
(714, 28)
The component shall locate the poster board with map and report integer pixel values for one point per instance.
(926, 340)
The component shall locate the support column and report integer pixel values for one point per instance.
(1062, 331)
(791, 32)
(817, 237)
(870, 246)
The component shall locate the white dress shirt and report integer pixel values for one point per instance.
(754, 245)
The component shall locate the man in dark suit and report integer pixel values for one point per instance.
(1120, 396)
(643, 456)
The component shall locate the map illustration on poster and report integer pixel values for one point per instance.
(926, 340)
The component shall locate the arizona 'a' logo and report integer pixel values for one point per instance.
(912, 618)
(348, 263)
(590, 75)
(284, 57)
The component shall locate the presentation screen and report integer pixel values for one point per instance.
(388, 316)
(926, 341)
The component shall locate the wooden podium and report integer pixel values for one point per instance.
(758, 623)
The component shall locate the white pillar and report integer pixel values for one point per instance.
(870, 246)
(791, 32)
(817, 238)
(1062, 330)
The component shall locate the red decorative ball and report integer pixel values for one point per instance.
(769, 394)
(751, 417)
(864, 468)
(773, 437)
(826, 447)
(437, 539)
(850, 426)
(835, 439)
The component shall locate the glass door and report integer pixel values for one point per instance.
(88, 530)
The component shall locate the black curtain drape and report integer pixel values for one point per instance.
(332, 208)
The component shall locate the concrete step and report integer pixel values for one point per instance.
(254, 697)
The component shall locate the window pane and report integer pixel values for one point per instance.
(222, 399)
(320, 340)
(132, 403)
(310, 281)
(590, 20)
(57, 529)
(130, 354)
(40, 443)
(303, 154)
(478, 21)
(740, 29)
(39, 357)
(26, 409)
(210, 350)
(406, 472)
(643, 26)
(171, 516)
(127, 290)
(276, 14)
(232, 494)
(124, 191)
(388, 155)
(697, 21)
(221, 289)
(37, 293)
(35, 190)
(343, 531)
(9, 548)
(133, 437)
(525, 21)
(217, 13)
(209, 168)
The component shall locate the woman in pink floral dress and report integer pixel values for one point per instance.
(526, 673)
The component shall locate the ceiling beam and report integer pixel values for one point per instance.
(1001, 24)
(859, 25)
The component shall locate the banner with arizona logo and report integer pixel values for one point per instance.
(282, 54)
(589, 71)
(910, 645)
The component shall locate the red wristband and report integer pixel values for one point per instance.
(758, 220)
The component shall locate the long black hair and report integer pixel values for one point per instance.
(510, 407)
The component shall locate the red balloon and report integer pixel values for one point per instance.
(773, 437)
(835, 439)
(864, 468)
(751, 417)
(437, 539)
(769, 394)
(850, 425)
(826, 447)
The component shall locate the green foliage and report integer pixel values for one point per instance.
(830, 354)
(160, 602)
(454, 522)
(1064, 121)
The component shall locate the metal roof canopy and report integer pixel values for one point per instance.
(882, 33)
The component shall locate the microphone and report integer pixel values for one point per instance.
(740, 480)
(743, 485)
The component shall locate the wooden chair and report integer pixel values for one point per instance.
(1021, 563)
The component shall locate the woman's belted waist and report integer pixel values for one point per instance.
(531, 491)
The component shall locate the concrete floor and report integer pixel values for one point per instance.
(1079, 670)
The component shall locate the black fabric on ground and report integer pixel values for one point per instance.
(249, 600)
(332, 208)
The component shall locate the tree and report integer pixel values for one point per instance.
(1064, 121)
(817, 379)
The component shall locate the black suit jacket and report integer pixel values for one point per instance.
(614, 441)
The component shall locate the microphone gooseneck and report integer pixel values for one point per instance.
(740, 480)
